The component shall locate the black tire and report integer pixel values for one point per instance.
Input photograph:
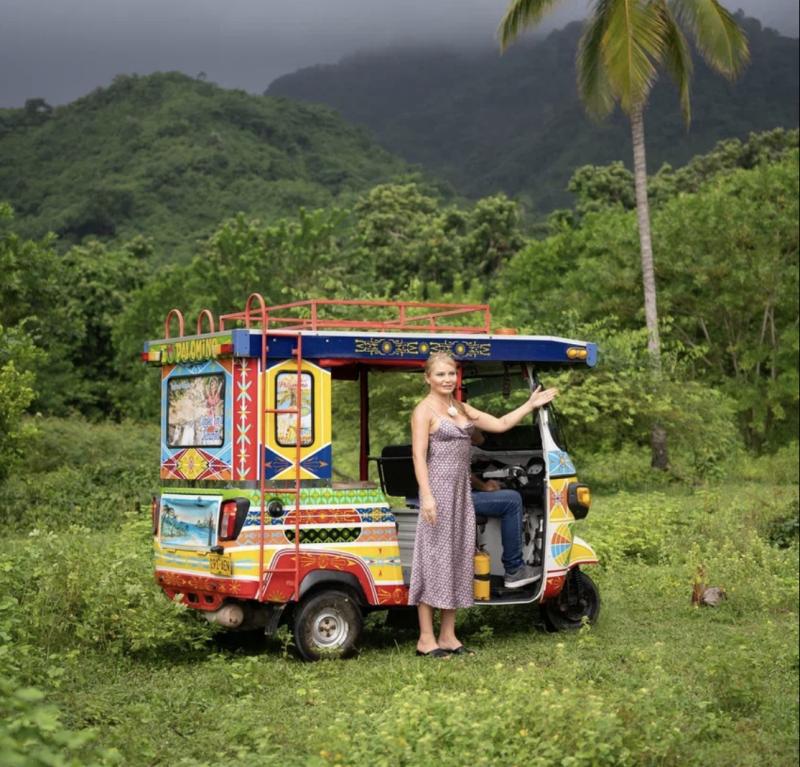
(578, 601)
(327, 624)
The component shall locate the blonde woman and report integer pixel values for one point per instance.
(442, 569)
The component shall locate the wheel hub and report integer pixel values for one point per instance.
(330, 629)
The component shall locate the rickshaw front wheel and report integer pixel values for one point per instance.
(578, 603)
(327, 624)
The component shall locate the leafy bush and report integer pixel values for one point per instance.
(16, 393)
(90, 590)
(784, 532)
(639, 526)
(779, 467)
(81, 473)
(424, 723)
(609, 468)
(32, 735)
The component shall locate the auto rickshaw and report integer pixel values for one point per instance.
(251, 530)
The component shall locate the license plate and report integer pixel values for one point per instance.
(220, 564)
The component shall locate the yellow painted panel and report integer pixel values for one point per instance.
(320, 418)
(581, 552)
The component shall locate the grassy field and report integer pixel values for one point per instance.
(98, 668)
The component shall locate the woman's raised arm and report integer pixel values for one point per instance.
(508, 421)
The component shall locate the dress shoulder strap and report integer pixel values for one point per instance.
(435, 414)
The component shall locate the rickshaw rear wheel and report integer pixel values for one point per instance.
(578, 603)
(327, 624)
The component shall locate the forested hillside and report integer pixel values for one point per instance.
(513, 123)
(168, 156)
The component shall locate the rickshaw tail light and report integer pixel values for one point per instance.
(584, 496)
(227, 528)
(577, 353)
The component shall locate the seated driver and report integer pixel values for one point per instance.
(491, 500)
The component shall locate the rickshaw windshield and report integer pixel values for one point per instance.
(498, 388)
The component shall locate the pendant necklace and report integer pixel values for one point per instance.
(452, 411)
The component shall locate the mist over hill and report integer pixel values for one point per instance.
(169, 157)
(514, 123)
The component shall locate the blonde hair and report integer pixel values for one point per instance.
(447, 358)
(435, 357)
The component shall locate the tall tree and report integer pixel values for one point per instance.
(624, 44)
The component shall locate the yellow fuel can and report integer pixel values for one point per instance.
(483, 568)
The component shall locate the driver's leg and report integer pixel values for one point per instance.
(507, 506)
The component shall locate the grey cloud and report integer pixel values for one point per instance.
(61, 49)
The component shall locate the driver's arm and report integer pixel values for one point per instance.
(486, 486)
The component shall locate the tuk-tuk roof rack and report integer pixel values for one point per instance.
(339, 314)
(320, 314)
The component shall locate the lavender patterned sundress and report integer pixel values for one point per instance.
(442, 569)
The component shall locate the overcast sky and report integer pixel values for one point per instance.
(61, 49)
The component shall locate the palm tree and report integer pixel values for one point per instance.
(624, 43)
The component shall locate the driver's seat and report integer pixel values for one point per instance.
(397, 477)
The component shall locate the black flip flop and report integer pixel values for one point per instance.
(461, 650)
(437, 652)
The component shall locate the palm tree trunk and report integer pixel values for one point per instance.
(658, 437)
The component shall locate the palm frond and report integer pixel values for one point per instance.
(632, 46)
(677, 60)
(717, 36)
(593, 84)
(520, 15)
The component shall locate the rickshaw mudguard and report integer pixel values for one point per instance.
(331, 567)
(581, 553)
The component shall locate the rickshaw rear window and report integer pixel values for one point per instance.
(195, 411)
(286, 399)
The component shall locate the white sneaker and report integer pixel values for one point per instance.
(521, 577)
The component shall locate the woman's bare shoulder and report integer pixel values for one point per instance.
(421, 411)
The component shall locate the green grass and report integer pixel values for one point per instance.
(136, 680)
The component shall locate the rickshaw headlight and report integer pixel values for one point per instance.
(579, 499)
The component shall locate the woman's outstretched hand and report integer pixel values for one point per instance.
(541, 397)
(427, 507)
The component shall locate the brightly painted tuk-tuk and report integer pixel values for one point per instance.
(249, 527)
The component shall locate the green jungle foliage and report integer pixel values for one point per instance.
(168, 156)
(726, 245)
(486, 122)
(727, 268)
(98, 668)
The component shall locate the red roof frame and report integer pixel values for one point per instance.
(408, 316)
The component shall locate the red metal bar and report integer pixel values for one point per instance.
(262, 305)
(173, 313)
(262, 441)
(404, 319)
(298, 448)
(205, 313)
(363, 463)
(377, 325)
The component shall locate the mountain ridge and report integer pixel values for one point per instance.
(170, 156)
(487, 123)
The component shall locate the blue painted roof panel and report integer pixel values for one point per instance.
(384, 347)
